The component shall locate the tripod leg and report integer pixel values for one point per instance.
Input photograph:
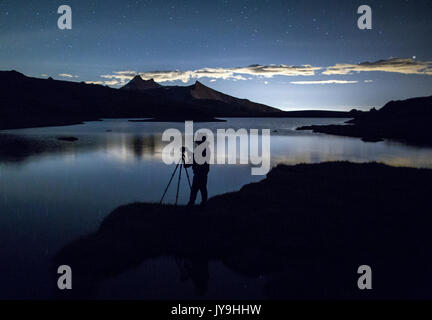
(166, 189)
(178, 184)
(187, 175)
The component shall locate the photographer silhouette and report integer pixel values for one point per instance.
(200, 171)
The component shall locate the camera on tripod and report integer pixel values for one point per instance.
(181, 163)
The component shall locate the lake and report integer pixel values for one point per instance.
(52, 192)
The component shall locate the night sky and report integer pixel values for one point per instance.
(287, 54)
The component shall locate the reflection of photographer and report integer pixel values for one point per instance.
(195, 269)
(200, 171)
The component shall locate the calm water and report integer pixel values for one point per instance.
(52, 192)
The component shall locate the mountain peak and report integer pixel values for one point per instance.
(13, 74)
(138, 83)
(200, 85)
(201, 91)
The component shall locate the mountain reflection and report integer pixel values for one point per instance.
(140, 142)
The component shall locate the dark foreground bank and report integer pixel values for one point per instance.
(308, 226)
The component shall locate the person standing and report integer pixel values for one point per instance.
(200, 172)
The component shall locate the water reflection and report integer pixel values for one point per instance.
(53, 192)
(131, 148)
(196, 270)
(130, 144)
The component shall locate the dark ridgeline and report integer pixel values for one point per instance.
(306, 228)
(34, 102)
(198, 95)
(407, 120)
(31, 102)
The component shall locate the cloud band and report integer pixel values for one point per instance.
(394, 65)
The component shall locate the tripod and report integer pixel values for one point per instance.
(181, 163)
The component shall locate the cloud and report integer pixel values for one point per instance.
(107, 83)
(274, 70)
(395, 65)
(112, 82)
(121, 78)
(238, 73)
(324, 82)
(67, 75)
(94, 82)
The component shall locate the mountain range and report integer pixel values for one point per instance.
(199, 97)
(27, 102)
(32, 102)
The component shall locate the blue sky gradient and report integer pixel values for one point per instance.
(146, 36)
